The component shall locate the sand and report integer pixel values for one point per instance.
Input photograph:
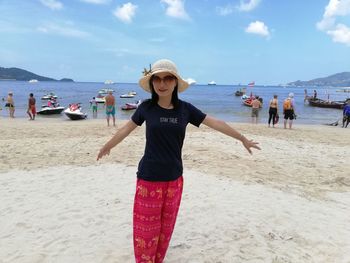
(289, 202)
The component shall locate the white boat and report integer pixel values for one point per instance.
(346, 89)
(49, 96)
(212, 82)
(100, 99)
(74, 112)
(128, 95)
(191, 81)
(33, 81)
(105, 91)
(109, 82)
(244, 97)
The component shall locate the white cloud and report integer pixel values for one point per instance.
(175, 9)
(339, 32)
(337, 8)
(97, 2)
(126, 12)
(62, 31)
(244, 6)
(224, 11)
(52, 4)
(325, 23)
(258, 28)
(248, 5)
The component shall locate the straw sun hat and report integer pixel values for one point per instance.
(162, 65)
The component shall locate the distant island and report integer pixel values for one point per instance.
(336, 80)
(24, 75)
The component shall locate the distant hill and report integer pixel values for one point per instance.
(21, 74)
(336, 80)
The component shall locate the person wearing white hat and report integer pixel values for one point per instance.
(289, 110)
(159, 176)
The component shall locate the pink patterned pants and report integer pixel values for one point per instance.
(155, 210)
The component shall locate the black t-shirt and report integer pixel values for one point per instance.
(165, 133)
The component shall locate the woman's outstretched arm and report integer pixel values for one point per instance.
(117, 138)
(226, 129)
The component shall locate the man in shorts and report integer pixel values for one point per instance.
(110, 107)
(256, 105)
(93, 104)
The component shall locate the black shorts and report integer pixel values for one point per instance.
(9, 105)
(289, 114)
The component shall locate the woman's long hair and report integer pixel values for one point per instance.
(155, 97)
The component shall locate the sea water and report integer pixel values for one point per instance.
(216, 100)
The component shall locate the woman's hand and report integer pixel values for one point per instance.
(250, 144)
(104, 151)
(117, 138)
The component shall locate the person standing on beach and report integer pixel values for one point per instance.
(256, 105)
(93, 105)
(305, 95)
(159, 177)
(31, 107)
(273, 110)
(110, 107)
(346, 114)
(10, 104)
(289, 110)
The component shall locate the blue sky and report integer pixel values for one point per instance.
(230, 42)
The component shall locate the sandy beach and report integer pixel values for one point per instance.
(289, 202)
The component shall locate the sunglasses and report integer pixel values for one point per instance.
(167, 79)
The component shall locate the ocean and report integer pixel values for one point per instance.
(216, 100)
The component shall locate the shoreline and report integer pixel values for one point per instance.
(306, 148)
(127, 116)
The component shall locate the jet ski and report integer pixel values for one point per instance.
(50, 110)
(74, 112)
(131, 106)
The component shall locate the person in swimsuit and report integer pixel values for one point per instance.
(10, 104)
(289, 110)
(159, 177)
(110, 107)
(256, 105)
(31, 107)
(273, 110)
(93, 104)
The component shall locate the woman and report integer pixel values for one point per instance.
(10, 104)
(159, 176)
(289, 110)
(31, 111)
(273, 110)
